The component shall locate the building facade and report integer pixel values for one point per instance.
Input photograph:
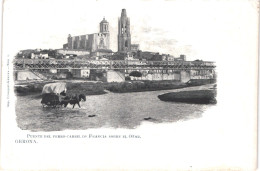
(124, 36)
(38, 55)
(90, 42)
(134, 47)
(181, 58)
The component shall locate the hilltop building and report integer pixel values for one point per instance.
(90, 43)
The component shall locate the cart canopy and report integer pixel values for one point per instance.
(55, 88)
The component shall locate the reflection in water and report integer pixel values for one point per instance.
(114, 110)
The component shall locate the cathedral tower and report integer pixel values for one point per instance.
(124, 36)
(104, 26)
(103, 37)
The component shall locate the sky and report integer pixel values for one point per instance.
(198, 29)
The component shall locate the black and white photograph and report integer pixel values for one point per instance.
(84, 84)
(104, 85)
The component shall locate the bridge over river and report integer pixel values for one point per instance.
(40, 64)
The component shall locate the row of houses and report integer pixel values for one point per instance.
(99, 54)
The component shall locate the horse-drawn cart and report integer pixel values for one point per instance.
(53, 94)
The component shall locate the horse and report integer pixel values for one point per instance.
(65, 101)
(73, 100)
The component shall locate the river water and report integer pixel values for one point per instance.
(113, 110)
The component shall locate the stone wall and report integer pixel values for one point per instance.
(158, 76)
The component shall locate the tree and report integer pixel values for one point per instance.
(135, 74)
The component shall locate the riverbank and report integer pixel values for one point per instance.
(140, 86)
(87, 88)
(98, 88)
(194, 96)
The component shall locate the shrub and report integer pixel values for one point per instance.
(127, 78)
(135, 74)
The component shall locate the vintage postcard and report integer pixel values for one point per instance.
(129, 85)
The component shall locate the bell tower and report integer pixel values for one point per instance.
(124, 36)
(104, 26)
(103, 39)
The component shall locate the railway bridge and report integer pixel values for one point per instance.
(155, 70)
(40, 64)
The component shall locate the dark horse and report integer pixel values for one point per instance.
(73, 100)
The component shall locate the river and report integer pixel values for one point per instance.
(111, 110)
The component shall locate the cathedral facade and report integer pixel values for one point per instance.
(100, 42)
(91, 42)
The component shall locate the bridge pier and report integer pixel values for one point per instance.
(115, 76)
(23, 75)
(185, 76)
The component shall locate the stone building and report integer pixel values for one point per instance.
(90, 42)
(38, 55)
(124, 36)
(81, 73)
(167, 57)
(181, 58)
(134, 47)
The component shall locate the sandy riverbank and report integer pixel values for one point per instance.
(204, 96)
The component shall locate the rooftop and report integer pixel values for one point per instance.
(104, 20)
